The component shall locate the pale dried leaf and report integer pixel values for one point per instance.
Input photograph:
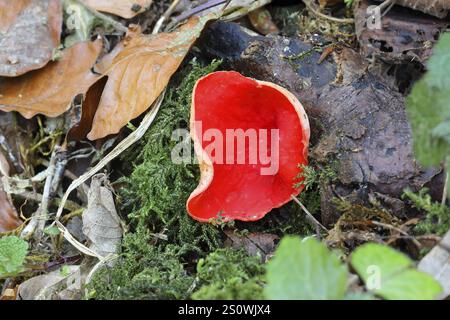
(50, 90)
(138, 74)
(123, 8)
(48, 286)
(101, 224)
(437, 263)
(28, 39)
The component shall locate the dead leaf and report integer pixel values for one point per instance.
(30, 32)
(254, 243)
(101, 224)
(84, 120)
(437, 263)
(437, 8)
(404, 37)
(138, 74)
(9, 15)
(49, 286)
(261, 20)
(50, 90)
(123, 8)
(9, 294)
(9, 219)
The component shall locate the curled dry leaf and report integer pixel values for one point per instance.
(50, 90)
(101, 224)
(139, 73)
(9, 219)
(30, 31)
(123, 8)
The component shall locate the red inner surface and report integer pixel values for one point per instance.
(228, 100)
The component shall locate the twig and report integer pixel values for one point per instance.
(39, 218)
(309, 216)
(311, 8)
(198, 9)
(391, 227)
(165, 16)
(444, 193)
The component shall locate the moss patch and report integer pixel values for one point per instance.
(157, 189)
(229, 274)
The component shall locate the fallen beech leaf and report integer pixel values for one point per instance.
(139, 73)
(50, 90)
(123, 8)
(30, 32)
(101, 224)
(9, 219)
(9, 15)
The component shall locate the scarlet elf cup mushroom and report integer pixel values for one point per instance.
(250, 138)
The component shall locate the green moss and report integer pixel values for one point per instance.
(229, 274)
(143, 271)
(157, 189)
(437, 218)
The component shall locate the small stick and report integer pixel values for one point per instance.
(309, 215)
(165, 16)
(444, 194)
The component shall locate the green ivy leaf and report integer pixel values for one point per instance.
(428, 108)
(13, 251)
(305, 270)
(390, 274)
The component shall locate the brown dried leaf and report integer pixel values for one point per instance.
(261, 20)
(437, 8)
(123, 8)
(403, 37)
(50, 90)
(139, 73)
(84, 120)
(30, 31)
(253, 243)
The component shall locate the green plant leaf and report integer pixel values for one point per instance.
(428, 108)
(390, 274)
(13, 251)
(305, 270)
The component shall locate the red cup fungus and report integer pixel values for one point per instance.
(250, 138)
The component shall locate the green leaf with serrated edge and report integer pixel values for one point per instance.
(13, 251)
(390, 274)
(305, 270)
